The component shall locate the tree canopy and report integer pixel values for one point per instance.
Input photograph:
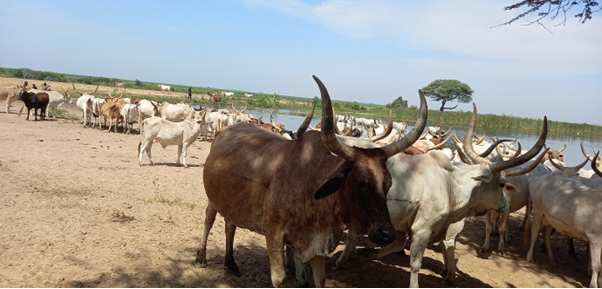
(398, 102)
(554, 8)
(445, 90)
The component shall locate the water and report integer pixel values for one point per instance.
(572, 154)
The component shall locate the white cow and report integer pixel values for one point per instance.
(166, 133)
(97, 104)
(84, 102)
(572, 209)
(229, 94)
(176, 112)
(130, 114)
(56, 99)
(248, 95)
(436, 212)
(165, 87)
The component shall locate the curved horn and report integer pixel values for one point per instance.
(94, 90)
(461, 154)
(303, 127)
(388, 128)
(521, 171)
(498, 167)
(76, 89)
(585, 153)
(272, 122)
(243, 110)
(234, 108)
(468, 148)
(448, 131)
(556, 165)
(581, 165)
(413, 135)
(492, 147)
(328, 137)
(439, 146)
(594, 166)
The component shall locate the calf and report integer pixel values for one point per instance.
(35, 100)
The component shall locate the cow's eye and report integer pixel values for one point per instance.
(502, 185)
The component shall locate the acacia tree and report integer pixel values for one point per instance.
(554, 8)
(445, 90)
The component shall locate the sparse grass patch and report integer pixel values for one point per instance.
(159, 197)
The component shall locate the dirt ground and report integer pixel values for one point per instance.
(76, 210)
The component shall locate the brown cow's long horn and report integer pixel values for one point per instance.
(498, 167)
(413, 135)
(303, 127)
(328, 137)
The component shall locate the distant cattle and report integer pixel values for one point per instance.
(35, 100)
(165, 87)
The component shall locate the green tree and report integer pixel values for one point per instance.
(398, 102)
(445, 90)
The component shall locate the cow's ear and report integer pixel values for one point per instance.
(335, 181)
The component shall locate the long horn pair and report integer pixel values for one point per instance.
(334, 145)
(516, 153)
(500, 166)
(439, 146)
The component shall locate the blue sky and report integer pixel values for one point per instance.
(364, 51)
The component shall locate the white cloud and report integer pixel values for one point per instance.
(458, 34)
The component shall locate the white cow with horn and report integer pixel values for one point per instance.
(436, 213)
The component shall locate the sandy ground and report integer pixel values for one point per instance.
(76, 210)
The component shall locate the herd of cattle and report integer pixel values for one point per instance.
(302, 189)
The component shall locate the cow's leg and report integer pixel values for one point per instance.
(295, 265)
(275, 246)
(488, 228)
(448, 248)
(146, 147)
(396, 246)
(229, 263)
(350, 245)
(504, 234)
(201, 254)
(546, 240)
(184, 153)
(180, 155)
(317, 267)
(523, 223)
(417, 247)
(535, 227)
(595, 248)
(28, 111)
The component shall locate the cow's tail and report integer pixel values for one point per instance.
(139, 144)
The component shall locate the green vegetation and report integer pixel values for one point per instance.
(301, 105)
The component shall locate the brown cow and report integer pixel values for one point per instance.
(262, 182)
